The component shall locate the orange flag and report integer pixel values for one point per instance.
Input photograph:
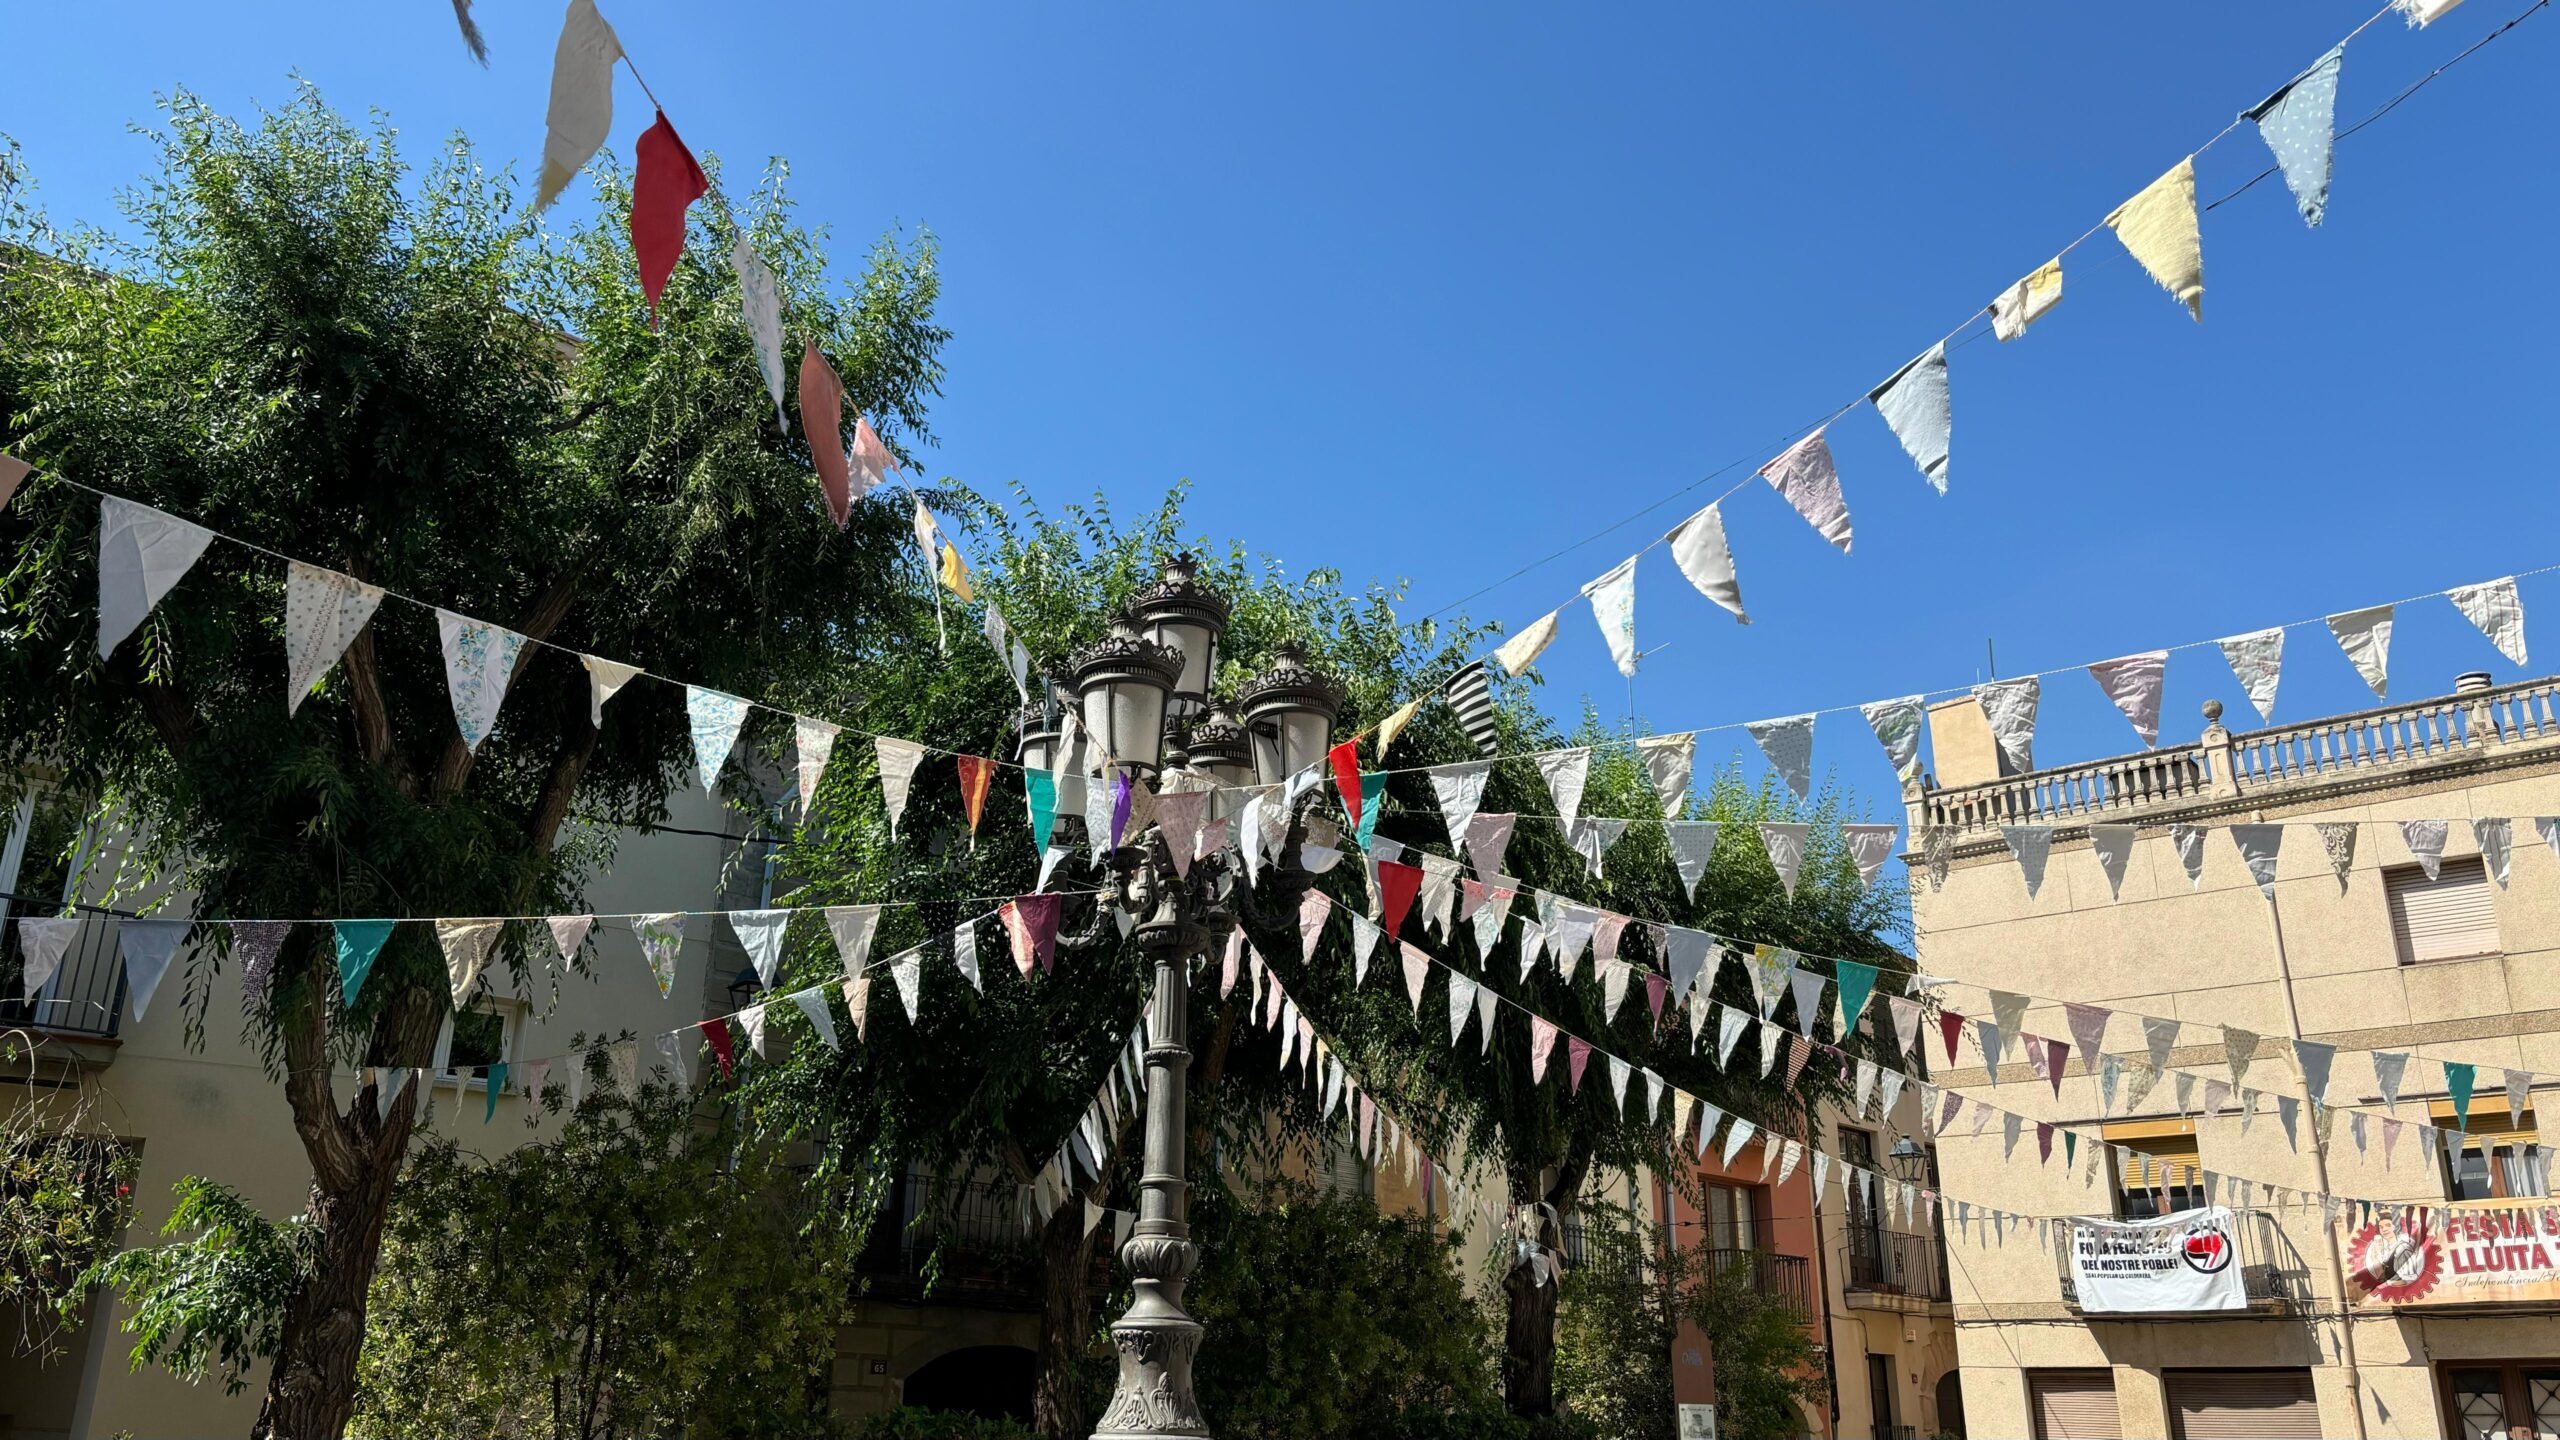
(822, 420)
(976, 773)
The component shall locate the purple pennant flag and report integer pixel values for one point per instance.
(1120, 800)
(256, 943)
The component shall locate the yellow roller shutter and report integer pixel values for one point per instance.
(2242, 1405)
(2073, 1405)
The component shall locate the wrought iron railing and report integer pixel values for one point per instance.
(85, 997)
(1788, 1277)
(2272, 1274)
(964, 1241)
(1892, 1262)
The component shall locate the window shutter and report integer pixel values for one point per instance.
(2242, 1405)
(2173, 1161)
(2445, 918)
(2074, 1405)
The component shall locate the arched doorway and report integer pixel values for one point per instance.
(992, 1382)
(1950, 1394)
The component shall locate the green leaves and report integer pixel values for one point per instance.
(210, 1305)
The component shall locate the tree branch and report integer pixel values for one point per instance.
(373, 717)
(454, 766)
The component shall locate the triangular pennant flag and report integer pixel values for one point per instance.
(822, 419)
(2133, 685)
(813, 1003)
(581, 113)
(2189, 841)
(1542, 1043)
(2315, 1059)
(254, 943)
(2459, 1077)
(964, 954)
(870, 461)
(898, 762)
(2425, 839)
(2258, 846)
(2257, 659)
(1488, 836)
(1693, 843)
(1178, 815)
(2298, 123)
(1398, 883)
(1806, 986)
(1869, 847)
(2493, 606)
(1568, 932)
(1698, 547)
(716, 720)
(479, 661)
(2010, 1010)
(605, 679)
(2366, 637)
(2113, 845)
(813, 741)
(1591, 837)
(907, 968)
(1345, 762)
(1685, 956)
(41, 945)
(665, 180)
(977, 772)
(2496, 839)
(2011, 708)
(1314, 908)
(1915, 405)
(853, 927)
(2024, 303)
(1462, 1001)
(1785, 842)
(760, 305)
(1668, 760)
(1788, 745)
(2088, 1030)
(661, 943)
(1040, 794)
(1613, 605)
(1577, 1058)
(2031, 845)
(2519, 1089)
(1521, 651)
(1950, 1026)
(1767, 969)
(1857, 980)
(2338, 841)
(323, 613)
(1459, 789)
(466, 945)
(1364, 940)
(1805, 475)
(1729, 1026)
(1470, 694)
(148, 947)
(2239, 1047)
(760, 934)
(2158, 227)
(13, 472)
(715, 1033)
(1565, 772)
(1896, 724)
(1906, 1022)
(1485, 1000)
(358, 942)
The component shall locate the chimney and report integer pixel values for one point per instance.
(2470, 682)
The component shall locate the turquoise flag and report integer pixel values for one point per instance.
(1373, 783)
(1857, 982)
(497, 1082)
(358, 942)
(2457, 1083)
(1041, 789)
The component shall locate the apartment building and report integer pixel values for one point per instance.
(2383, 957)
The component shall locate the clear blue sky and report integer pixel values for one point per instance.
(1427, 291)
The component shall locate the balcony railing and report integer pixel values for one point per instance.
(84, 998)
(1894, 1263)
(965, 1242)
(1789, 1277)
(2272, 1274)
(2260, 764)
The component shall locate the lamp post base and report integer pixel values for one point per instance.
(1154, 1398)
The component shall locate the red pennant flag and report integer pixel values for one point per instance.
(1657, 988)
(976, 773)
(822, 420)
(1346, 776)
(1031, 923)
(1577, 1054)
(716, 1031)
(1951, 1025)
(1398, 883)
(664, 181)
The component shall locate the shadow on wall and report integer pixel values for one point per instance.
(992, 1382)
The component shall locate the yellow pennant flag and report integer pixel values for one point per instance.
(955, 574)
(2159, 227)
(1393, 725)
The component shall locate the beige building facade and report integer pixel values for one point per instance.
(2450, 967)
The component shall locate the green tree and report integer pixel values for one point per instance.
(644, 1271)
(397, 373)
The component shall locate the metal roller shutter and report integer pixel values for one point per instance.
(2242, 1405)
(2073, 1404)
(2445, 918)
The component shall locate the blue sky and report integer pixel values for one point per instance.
(1426, 292)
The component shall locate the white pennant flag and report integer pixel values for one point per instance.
(148, 946)
(2425, 839)
(569, 935)
(479, 663)
(751, 1020)
(760, 934)
(1488, 836)
(812, 742)
(2011, 707)
(964, 954)
(813, 1003)
(2024, 303)
(1915, 405)
(2189, 840)
(1668, 761)
(2031, 845)
(2366, 637)
(2258, 846)
(760, 304)
(898, 762)
(1613, 605)
(1460, 790)
(323, 613)
(1364, 943)
(1897, 727)
(1693, 843)
(1017, 658)
(716, 720)
(1521, 651)
(853, 927)
(466, 945)
(1806, 476)
(907, 968)
(1788, 744)
(2134, 684)
(1417, 970)
(581, 99)
(1785, 843)
(1314, 908)
(41, 943)
(142, 553)
(2496, 838)
(1462, 1001)
(2494, 607)
(605, 679)
(1699, 548)
(1870, 846)
(1566, 771)
(2257, 659)
(1591, 837)
(2114, 847)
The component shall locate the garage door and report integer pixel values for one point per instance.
(2242, 1405)
(2073, 1404)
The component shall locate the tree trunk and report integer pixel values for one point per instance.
(1066, 1322)
(355, 1161)
(1529, 1344)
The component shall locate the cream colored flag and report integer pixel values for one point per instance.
(812, 742)
(1699, 548)
(2366, 637)
(1393, 725)
(1805, 474)
(323, 613)
(2024, 303)
(581, 99)
(466, 946)
(2492, 605)
(2159, 227)
(1521, 650)
(605, 679)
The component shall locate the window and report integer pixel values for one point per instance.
(2448, 918)
(1731, 1224)
(2501, 1158)
(2158, 1171)
(1866, 1217)
(478, 1037)
(2492, 1399)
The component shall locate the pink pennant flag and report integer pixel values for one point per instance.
(1577, 1055)
(1031, 923)
(1809, 480)
(871, 461)
(1234, 962)
(822, 420)
(1542, 1043)
(1657, 988)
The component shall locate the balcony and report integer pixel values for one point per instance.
(2272, 1275)
(2465, 733)
(84, 1001)
(959, 1243)
(1887, 1266)
(1789, 1277)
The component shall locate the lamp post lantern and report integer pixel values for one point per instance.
(1150, 676)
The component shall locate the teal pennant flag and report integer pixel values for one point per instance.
(1857, 981)
(2457, 1083)
(1041, 789)
(1373, 784)
(497, 1082)
(358, 942)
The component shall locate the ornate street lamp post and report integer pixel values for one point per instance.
(1150, 675)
